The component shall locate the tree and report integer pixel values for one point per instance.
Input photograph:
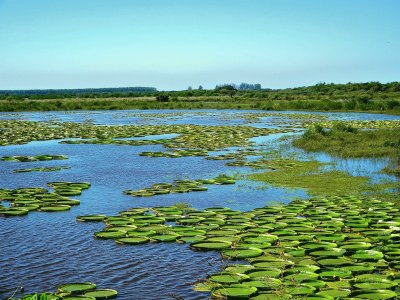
(200, 87)
(227, 89)
(190, 88)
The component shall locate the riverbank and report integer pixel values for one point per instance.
(222, 102)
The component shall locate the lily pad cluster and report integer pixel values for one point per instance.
(365, 124)
(190, 136)
(24, 200)
(323, 248)
(42, 169)
(42, 157)
(73, 291)
(180, 186)
(239, 154)
(175, 153)
(263, 163)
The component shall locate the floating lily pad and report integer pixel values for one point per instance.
(240, 253)
(203, 245)
(235, 292)
(75, 288)
(102, 294)
(133, 240)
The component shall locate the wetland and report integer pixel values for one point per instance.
(199, 204)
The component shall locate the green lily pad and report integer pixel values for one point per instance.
(203, 245)
(133, 240)
(102, 294)
(227, 278)
(110, 234)
(235, 292)
(374, 294)
(74, 288)
(367, 255)
(240, 253)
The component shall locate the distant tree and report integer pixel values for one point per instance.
(190, 88)
(162, 98)
(228, 89)
(200, 87)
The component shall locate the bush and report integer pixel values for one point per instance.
(162, 98)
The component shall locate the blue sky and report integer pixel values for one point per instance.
(171, 44)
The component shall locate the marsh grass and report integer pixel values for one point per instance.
(202, 102)
(348, 142)
(308, 175)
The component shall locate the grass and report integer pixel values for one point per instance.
(346, 141)
(201, 102)
(308, 175)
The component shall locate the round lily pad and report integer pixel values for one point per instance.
(367, 255)
(164, 237)
(240, 253)
(110, 234)
(55, 208)
(227, 278)
(133, 240)
(75, 288)
(102, 294)
(235, 292)
(374, 294)
(203, 245)
(91, 218)
(77, 298)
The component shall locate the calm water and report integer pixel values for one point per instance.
(42, 250)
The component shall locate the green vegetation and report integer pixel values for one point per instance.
(72, 291)
(42, 169)
(371, 96)
(321, 248)
(191, 136)
(180, 186)
(42, 157)
(308, 175)
(346, 140)
(25, 200)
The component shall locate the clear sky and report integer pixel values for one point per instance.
(171, 44)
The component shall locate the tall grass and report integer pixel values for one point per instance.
(222, 102)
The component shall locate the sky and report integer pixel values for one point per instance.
(173, 44)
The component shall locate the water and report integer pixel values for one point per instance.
(42, 250)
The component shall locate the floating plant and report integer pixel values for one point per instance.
(180, 186)
(309, 249)
(42, 157)
(24, 200)
(43, 169)
(72, 291)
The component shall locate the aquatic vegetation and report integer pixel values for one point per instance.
(191, 137)
(180, 186)
(239, 154)
(175, 153)
(362, 124)
(24, 200)
(309, 176)
(42, 157)
(326, 247)
(72, 291)
(345, 140)
(42, 169)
